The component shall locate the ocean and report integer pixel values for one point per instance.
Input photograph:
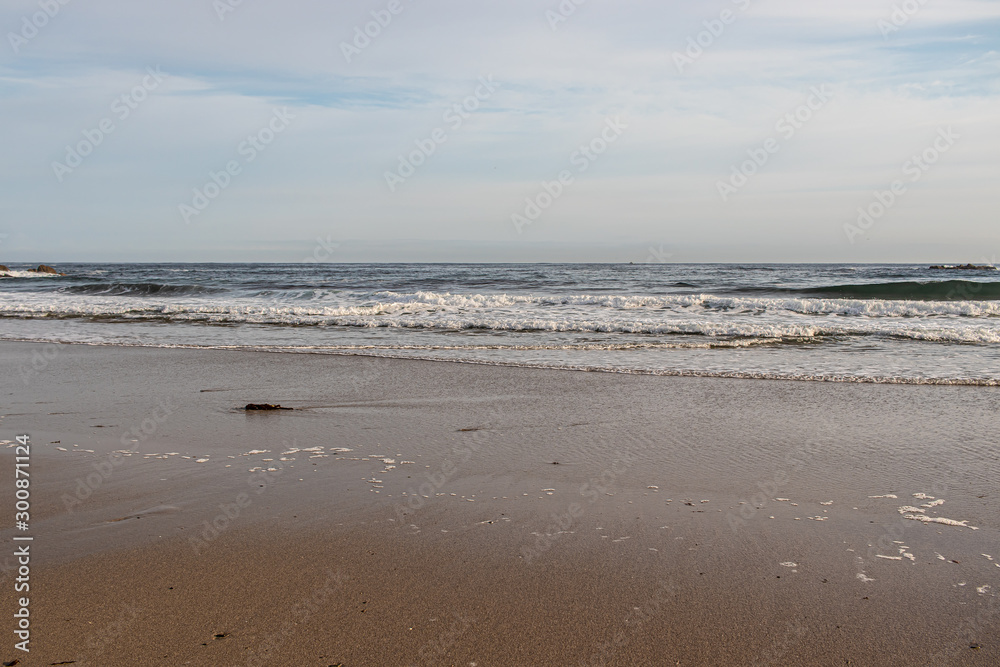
(819, 322)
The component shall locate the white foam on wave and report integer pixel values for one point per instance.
(859, 307)
(953, 321)
(14, 273)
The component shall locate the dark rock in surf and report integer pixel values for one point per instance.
(963, 267)
(45, 268)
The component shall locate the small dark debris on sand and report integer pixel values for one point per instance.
(264, 406)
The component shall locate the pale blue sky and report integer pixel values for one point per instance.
(343, 125)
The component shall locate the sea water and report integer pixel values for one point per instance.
(836, 322)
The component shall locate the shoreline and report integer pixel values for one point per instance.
(460, 513)
(727, 375)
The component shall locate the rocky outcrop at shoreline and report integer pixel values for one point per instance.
(42, 268)
(45, 268)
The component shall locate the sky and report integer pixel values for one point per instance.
(500, 130)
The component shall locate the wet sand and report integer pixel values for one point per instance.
(425, 513)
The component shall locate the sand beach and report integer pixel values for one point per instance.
(414, 512)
